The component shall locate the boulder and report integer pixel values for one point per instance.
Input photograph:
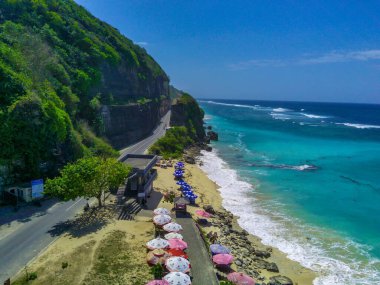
(262, 264)
(262, 253)
(272, 267)
(209, 208)
(207, 139)
(209, 127)
(189, 159)
(280, 280)
(213, 135)
(208, 148)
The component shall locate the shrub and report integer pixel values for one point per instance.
(32, 276)
(173, 143)
(65, 264)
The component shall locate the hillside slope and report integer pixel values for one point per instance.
(58, 66)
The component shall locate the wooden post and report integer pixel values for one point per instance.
(7, 282)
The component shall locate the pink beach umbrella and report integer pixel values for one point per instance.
(176, 243)
(203, 214)
(239, 278)
(177, 264)
(223, 259)
(172, 227)
(161, 219)
(158, 282)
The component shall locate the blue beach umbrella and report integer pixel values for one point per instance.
(219, 249)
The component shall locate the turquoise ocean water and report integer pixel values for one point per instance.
(305, 177)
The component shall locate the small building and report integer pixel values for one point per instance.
(21, 193)
(180, 204)
(140, 182)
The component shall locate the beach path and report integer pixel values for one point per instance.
(201, 267)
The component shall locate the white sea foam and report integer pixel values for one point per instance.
(312, 116)
(289, 235)
(232, 105)
(207, 117)
(280, 110)
(280, 116)
(359, 126)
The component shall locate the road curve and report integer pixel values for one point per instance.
(28, 240)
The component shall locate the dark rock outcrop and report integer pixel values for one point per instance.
(189, 159)
(209, 208)
(213, 135)
(280, 280)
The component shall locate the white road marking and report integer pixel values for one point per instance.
(74, 204)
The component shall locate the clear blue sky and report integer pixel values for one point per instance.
(268, 50)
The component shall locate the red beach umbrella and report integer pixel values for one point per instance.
(223, 259)
(177, 252)
(239, 278)
(176, 243)
(203, 214)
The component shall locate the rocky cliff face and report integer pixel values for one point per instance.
(127, 124)
(128, 84)
(186, 112)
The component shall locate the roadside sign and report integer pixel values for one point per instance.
(37, 188)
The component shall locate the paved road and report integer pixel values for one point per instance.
(143, 145)
(202, 269)
(19, 246)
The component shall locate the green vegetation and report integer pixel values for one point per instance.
(226, 282)
(188, 117)
(157, 271)
(173, 143)
(192, 115)
(55, 60)
(88, 177)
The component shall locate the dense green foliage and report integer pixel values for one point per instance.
(193, 116)
(173, 143)
(182, 135)
(87, 177)
(53, 57)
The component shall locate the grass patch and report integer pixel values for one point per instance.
(115, 262)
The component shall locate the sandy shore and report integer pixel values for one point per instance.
(208, 194)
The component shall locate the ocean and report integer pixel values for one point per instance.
(305, 178)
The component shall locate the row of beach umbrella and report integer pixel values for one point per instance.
(169, 251)
(187, 191)
(178, 173)
(179, 165)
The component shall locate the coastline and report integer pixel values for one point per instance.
(208, 193)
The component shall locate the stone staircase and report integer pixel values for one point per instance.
(129, 210)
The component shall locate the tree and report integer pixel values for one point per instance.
(87, 177)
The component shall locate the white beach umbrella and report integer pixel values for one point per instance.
(161, 211)
(177, 264)
(173, 235)
(161, 219)
(157, 243)
(177, 278)
(172, 227)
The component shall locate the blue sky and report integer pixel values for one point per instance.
(265, 50)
